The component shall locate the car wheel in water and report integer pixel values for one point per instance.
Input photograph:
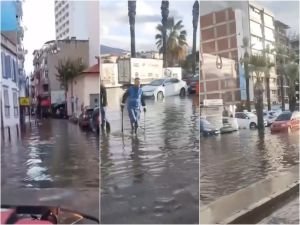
(182, 92)
(160, 95)
(252, 125)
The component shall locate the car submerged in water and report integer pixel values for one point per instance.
(207, 129)
(286, 122)
(161, 88)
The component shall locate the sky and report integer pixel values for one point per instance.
(39, 22)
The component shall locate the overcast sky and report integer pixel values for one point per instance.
(39, 20)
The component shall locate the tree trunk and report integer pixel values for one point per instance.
(194, 49)
(72, 97)
(282, 93)
(248, 106)
(259, 105)
(268, 92)
(292, 103)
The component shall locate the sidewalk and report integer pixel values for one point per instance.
(288, 214)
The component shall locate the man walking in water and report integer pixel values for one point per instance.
(135, 100)
(103, 104)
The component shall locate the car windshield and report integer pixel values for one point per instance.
(284, 117)
(157, 82)
(205, 123)
(250, 114)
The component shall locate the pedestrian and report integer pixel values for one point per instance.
(103, 105)
(135, 101)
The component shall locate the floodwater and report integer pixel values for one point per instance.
(57, 159)
(233, 161)
(152, 177)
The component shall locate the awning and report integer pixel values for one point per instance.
(46, 102)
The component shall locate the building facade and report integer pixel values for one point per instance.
(46, 85)
(84, 91)
(12, 78)
(223, 27)
(79, 19)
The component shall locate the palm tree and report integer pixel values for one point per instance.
(258, 65)
(164, 13)
(195, 25)
(67, 70)
(292, 75)
(269, 66)
(176, 41)
(245, 61)
(131, 15)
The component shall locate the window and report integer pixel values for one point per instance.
(16, 107)
(257, 43)
(255, 28)
(7, 66)
(255, 14)
(14, 78)
(268, 20)
(3, 64)
(174, 80)
(6, 102)
(269, 34)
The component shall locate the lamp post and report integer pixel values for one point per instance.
(164, 13)
(131, 15)
(195, 25)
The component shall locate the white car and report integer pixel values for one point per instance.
(270, 116)
(247, 120)
(161, 88)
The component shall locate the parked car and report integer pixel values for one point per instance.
(247, 120)
(161, 88)
(84, 118)
(270, 116)
(95, 120)
(286, 121)
(207, 129)
(191, 82)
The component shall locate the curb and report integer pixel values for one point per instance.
(264, 208)
(255, 202)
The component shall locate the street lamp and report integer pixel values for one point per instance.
(164, 13)
(131, 15)
(195, 25)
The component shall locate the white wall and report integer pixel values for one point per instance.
(91, 86)
(109, 74)
(93, 27)
(79, 19)
(11, 120)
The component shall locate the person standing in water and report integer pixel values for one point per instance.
(134, 103)
(103, 104)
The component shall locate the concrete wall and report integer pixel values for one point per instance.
(79, 17)
(83, 87)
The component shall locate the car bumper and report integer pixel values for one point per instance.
(148, 94)
(279, 129)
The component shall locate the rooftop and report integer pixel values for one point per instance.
(93, 69)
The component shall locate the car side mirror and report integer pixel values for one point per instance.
(164, 85)
(248, 118)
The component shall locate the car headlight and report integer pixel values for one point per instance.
(283, 125)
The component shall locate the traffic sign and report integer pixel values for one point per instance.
(24, 101)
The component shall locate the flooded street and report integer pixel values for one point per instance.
(233, 161)
(57, 159)
(152, 177)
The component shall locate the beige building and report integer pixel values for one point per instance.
(84, 91)
(45, 62)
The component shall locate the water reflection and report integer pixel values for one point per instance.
(53, 154)
(233, 161)
(142, 171)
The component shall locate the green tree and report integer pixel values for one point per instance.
(245, 61)
(67, 70)
(176, 41)
(258, 64)
(269, 66)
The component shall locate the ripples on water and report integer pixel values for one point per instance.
(233, 161)
(155, 173)
(53, 154)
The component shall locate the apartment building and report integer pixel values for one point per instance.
(223, 26)
(79, 19)
(12, 76)
(46, 84)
